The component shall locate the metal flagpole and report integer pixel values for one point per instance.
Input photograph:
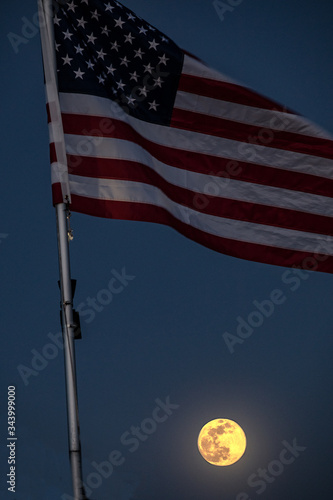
(45, 10)
(68, 329)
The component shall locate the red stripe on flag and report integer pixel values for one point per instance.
(241, 132)
(198, 162)
(249, 251)
(225, 91)
(53, 154)
(57, 193)
(218, 206)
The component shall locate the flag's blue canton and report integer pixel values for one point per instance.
(104, 49)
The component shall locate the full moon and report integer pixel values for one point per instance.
(222, 442)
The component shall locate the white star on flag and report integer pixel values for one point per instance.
(79, 74)
(119, 23)
(115, 46)
(90, 64)
(108, 7)
(81, 22)
(143, 91)
(124, 61)
(163, 59)
(95, 15)
(153, 105)
(139, 53)
(67, 34)
(120, 85)
(67, 59)
(158, 82)
(130, 100)
(105, 30)
(101, 54)
(129, 38)
(134, 76)
(92, 38)
(111, 69)
(72, 6)
(148, 68)
(78, 49)
(153, 44)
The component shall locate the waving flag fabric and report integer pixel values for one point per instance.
(141, 130)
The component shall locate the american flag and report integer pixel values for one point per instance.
(151, 133)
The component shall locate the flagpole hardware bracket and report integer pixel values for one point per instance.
(76, 325)
(76, 317)
(70, 234)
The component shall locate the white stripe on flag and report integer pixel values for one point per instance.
(126, 191)
(107, 148)
(196, 142)
(250, 115)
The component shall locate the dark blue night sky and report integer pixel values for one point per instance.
(153, 365)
